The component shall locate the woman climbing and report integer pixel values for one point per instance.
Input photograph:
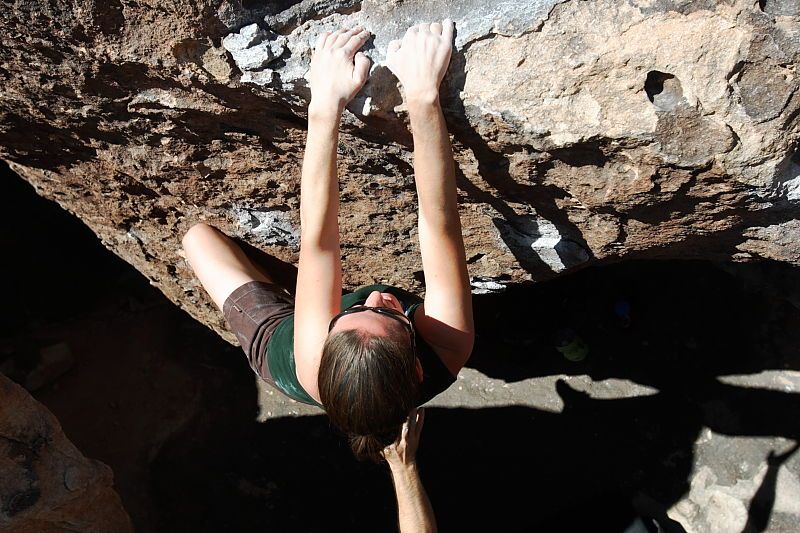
(369, 357)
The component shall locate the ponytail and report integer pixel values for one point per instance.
(369, 447)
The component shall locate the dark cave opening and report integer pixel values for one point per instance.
(172, 408)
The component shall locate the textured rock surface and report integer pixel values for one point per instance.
(584, 131)
(46, 484)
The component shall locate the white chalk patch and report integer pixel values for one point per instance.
(532, 235)
(367, 106)
(545, 245)
(253, 48)
(486, 286)
(788, 179)
(268, 226)
(793, 186)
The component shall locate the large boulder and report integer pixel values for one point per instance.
(583, 131)
(46, 484)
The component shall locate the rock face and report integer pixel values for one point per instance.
(583, 131)
(46, 484)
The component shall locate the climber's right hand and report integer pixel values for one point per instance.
(421, 58)
(338, 70)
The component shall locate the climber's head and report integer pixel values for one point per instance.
(369, 375)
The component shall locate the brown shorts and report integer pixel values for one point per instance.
(253, 311)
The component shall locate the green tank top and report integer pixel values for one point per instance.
(280, 350)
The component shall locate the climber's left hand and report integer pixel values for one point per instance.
(338, 69)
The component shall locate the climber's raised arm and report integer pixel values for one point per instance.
(420, 61)
(337, 72)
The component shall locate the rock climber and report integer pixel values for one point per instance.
(369, 357)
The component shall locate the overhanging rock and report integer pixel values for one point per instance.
(583, 131)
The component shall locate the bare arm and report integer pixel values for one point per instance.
(414, 510)
(337, 73)
(447, 316)
(420, 61)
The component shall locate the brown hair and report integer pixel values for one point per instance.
(368, 384)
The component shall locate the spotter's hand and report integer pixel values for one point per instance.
(402, 452)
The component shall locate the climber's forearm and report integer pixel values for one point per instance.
(447, 294)
(319, 185)
(414, 510)
(433, 165)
